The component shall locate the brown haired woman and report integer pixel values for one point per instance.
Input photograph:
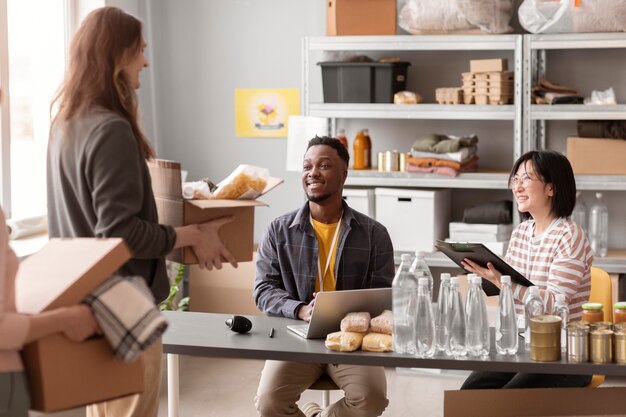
(98, 180)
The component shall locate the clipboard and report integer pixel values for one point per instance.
(479, 253)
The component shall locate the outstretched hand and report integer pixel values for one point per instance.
(490, 273)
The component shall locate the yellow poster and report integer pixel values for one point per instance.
(263, 112)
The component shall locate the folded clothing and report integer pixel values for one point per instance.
(438, 143)
(609, 129)
(546, 92)
(459, 156)
(490, 213)
(125, 310)
(435, 162)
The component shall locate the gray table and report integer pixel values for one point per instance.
(205, 334)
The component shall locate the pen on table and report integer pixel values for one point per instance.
(271, 333)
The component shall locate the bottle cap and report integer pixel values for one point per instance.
(560, 298)
(455, 280)
(592, 306)
(405, 257)
(598, 195)
(505, 279)
(476, 279)
(420, 253)
(620, 305)
(422, 281)
(446, 277)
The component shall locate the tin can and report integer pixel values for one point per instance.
(600, 325)
(545, 339)
(402, 162)
(577, 342)
(545, 354)
(619, 327)
(620, 347)
(391, 161)
(381, 162)
(601, 346)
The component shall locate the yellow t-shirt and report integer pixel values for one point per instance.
(325, 234)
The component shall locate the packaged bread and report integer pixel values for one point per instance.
(344, 341)
(377, 342)
(383, 323)
(247, 182)
(356, 322)
(406, 97)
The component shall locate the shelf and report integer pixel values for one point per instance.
(601, 182)
(577, 112)
(475, 180)
(414, 43)
(413, 111)
(577, 41)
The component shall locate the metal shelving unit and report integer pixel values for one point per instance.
(475, 180)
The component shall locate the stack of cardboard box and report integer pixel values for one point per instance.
(488, 82)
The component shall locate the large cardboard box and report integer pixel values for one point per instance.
(597, 156)
(535, 402)
(63, 374)
(360, 17)
(173, 210)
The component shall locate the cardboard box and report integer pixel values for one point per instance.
(597, 156)
(360, 17)
(63, 374)
(488, 65)
(237, 235)
(537, 402)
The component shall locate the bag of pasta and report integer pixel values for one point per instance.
(356, 322)
(383, 323)
(247, 182)
(344, 341)
(377, 342)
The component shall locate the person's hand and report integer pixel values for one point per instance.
(306, 311)
(80, 323)
(209, 248)
(490, 273)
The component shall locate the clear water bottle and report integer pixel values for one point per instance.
(420, 269)
(425, 323)
(404, 299)
(579, 215)
(476, 323)
(599, 227)
(442, 332)
(533, 306)
(561, 309)
(506, 321)
(456, 321)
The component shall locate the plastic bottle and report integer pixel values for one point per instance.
(599, 227)
(442, 332)
(368, 147)
(579, 215)
(456, 321)
(361, 153)
(561, 309)
(476, 324)
(404, 299)
(425, 330)
(533, 306)
(341, 136)
(420, 269)
(506, 322)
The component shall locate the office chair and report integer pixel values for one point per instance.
(325, 384)
(601, 292)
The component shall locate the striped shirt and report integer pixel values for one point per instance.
(558, 262)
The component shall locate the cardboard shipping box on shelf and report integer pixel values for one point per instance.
(173, 210)
(360, 17)
(535, 402)
(64, 374)
(597, 156)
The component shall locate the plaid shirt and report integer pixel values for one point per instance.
(286, 266)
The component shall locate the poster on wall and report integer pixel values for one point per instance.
(264, 112)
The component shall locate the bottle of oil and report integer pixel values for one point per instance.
(368, 147)
(341, 136)
(361, 151)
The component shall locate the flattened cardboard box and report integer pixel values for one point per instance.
(238, 235)
(535, 402)
(63, 374)
(360, 17)
(597, 156)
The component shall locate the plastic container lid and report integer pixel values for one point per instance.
(505, 279)
(446, 277)
(620, 305)
(455, 280)
(476, 279)
(592, 306)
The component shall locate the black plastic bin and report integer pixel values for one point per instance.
(362, 82)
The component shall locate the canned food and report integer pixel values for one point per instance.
(600, 325)
(619, 327)
(545, 354)
(381, 162)
(577, 342)
(391, 161)
(592, 312)
(601, 346)
(619, 339)
(545, 324)
(545, 339)
(402, 162)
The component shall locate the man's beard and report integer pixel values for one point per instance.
(318, 198)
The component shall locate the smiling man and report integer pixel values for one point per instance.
(323, 246)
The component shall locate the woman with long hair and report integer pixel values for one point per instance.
(98, 180)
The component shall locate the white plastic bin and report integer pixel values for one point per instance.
(414, 218)
(361, 200)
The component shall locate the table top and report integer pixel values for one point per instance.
(206, 334)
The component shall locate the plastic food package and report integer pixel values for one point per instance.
(383, 323)
(344, 341)
(247, 182)
(568, 16)
(377, 342)
(356, 322)
(406, 97)
(422, 17)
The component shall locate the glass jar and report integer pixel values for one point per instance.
(592, 312)
(361, 151)
(619, 312)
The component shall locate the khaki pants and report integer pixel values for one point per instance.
(14, 398)
(365, 389)
(145, 404)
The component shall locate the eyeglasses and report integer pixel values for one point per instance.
(524, 180)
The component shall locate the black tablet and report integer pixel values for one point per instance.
(479, 253)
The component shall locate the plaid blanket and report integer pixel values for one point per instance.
(125, 310)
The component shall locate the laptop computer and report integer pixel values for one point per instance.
(332, 306)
